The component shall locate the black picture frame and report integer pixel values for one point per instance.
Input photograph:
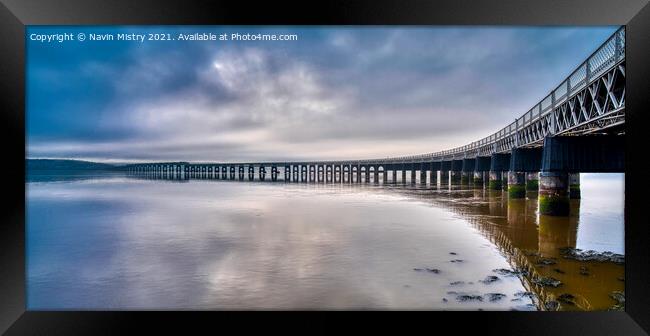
(16, 14)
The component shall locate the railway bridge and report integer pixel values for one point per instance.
(577, 128)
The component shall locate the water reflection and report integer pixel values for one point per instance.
(213, 244)
(534, 243)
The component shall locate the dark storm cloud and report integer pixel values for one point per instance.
(334, 93)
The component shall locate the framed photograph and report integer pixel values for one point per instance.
(438, 157)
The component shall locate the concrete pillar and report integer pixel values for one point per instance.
(465, 178)
(455, 177)
(262, 173)
(403, 176)
(274, 173)
(516, 184)
(376, 177)
(423, 176)
(433, 177)
(478, 179)
(532, 182)
(495, 180)
(412, 176)
(504, 182)
(574, 185)
(394, 175)
(554, 193)
(444, 178)
(385, 176)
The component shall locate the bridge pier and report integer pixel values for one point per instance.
(444, 178)
(574, 185)
(532, 182)
(413, 176)
(384, 179)
(403, 176)
(464, 178)
(274, 173)
(455, 177)
(524, 165)
(498, 164)
(597, 153)
(467, 176)
(262, 174)
(554, 193)
(516, 184)
(303, 173)
(376, 175)
(478, 179)
(251, 173)
(496, 180)
(456, 171)
(423, 176)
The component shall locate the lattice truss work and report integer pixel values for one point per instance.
(597, 107)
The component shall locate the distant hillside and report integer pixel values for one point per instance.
(51, 164)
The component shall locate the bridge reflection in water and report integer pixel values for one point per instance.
(534, 244)
(537, 247)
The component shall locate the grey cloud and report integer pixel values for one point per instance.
(373, 87)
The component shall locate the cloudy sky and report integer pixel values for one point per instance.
(335, 93)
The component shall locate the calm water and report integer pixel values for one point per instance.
(117, 242)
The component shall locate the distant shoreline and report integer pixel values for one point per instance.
(35, 165)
